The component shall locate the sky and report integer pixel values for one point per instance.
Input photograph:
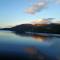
(15, 12)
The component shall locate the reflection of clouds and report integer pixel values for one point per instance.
(31, 50)
(39, 38)
(35, 54)
(45, 40)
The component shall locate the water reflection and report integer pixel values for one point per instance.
(38, 46)
(45, 40)
(35, 54)
(48, 44)
(37, 37)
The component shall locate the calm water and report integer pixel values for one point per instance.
(24, 43)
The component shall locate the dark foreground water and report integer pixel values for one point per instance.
(41, 46)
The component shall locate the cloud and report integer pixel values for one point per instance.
(43, 21)
(40, 5)
(58, 1)
(36, 7)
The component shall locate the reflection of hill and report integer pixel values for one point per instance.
(34, 36)
(37, 37)
(35, 53)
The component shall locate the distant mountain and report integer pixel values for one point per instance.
(36, 28)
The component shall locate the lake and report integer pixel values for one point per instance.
(49, 46)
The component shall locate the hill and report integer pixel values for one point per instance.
(42, 28)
